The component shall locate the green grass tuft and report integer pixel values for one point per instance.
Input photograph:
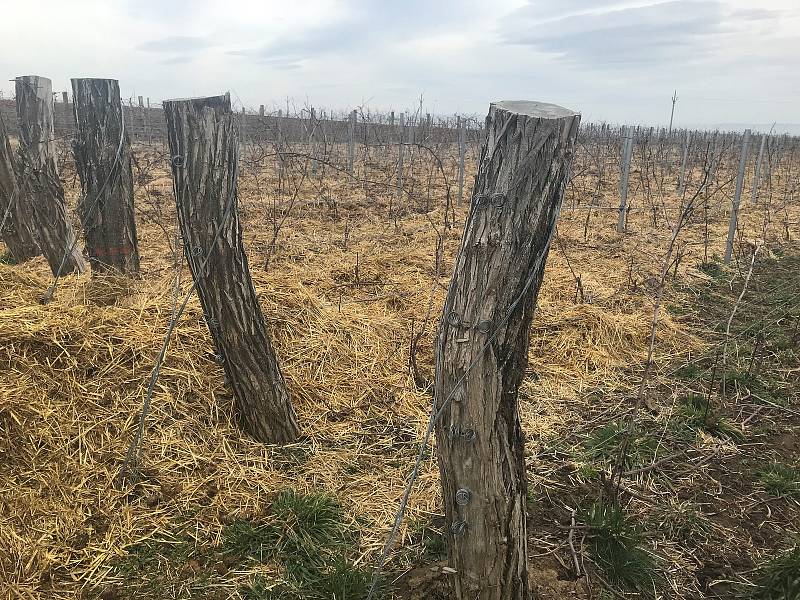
(604, 444)
(7, 259)
(781, 480)
(779, 579)
(615, 547)
(694, 414)
(712, 269)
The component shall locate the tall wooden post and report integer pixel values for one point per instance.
(103, 160)
(737, 199)
(204, 148)
(482, 344)
(627, 149)
(16, 219)
(39, 179)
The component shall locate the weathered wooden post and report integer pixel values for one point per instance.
(16, 220)
(103, 161)
(627, 149)
(736, 199)
(462, 150)
(38, 176)
(351, 141)
(483, 342)
(203, 145)
(757, 175)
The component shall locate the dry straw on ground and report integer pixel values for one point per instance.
(73, 375)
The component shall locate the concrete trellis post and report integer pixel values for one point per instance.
(400, 152)
(757, 175)
(627, 149)
(481, 350)
(351, 142)
(312, 126)
(737, 198)
(462, 149)
(682, 176)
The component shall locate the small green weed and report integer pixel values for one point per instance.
(615, 547)
(781, 480)
(605, 444)
(779, 579)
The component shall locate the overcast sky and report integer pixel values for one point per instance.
(731, 61)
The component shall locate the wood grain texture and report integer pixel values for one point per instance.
(18, 232)
(203, 144)
(496, 279)
(103, 161)
(38, 176)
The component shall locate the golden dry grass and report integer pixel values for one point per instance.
(73, 375)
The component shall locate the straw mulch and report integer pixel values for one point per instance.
(73, 375)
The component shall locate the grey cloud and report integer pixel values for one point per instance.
(176, 60)
(175, 43)
(365, 29)
(757, 14)
(667, 31)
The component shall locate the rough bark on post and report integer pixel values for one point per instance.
(17, 232)
(38, 176)
(103, 161)
(203, 145)
(483, 343)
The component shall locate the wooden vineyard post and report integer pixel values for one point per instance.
(204, 157)
(482, 345)
(627, 149)
(103, 161)
(737, 198)
(38, 176)
(16, 219)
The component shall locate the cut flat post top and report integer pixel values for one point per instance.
(204, 148)
(483, 339)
